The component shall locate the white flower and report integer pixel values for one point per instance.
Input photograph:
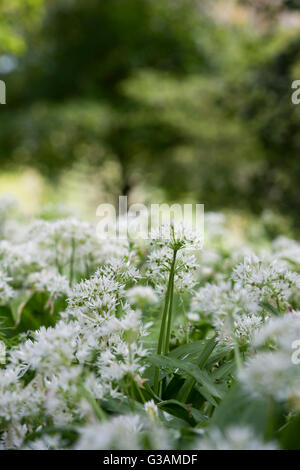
(45, 442)
(271, 371)
(234, 438)
(13, 438)
(151, 410)
(19, 260)
(215, 226)
(50, 349)
(159, 265)
(17, 402)
(286, 249)
(141, 295)
(2, 352)
(49, 280)
(241, 330)
(231, 310)
(67, 241)
(267, 281)
(6, 291)
(193, 316)
(280, 332)
(121, 432)
(177, 236)
(127, 432)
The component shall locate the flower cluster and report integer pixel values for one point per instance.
(238, 306)
(116, 344)
(272, 370)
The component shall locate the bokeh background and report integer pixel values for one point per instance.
(160, 100)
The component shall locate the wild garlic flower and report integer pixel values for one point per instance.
(126, 432)
(141, 296)
(279, 332)
(159, 265)
(240, 329)
(176, 237)
(151, 410)
(16, 401)
(232, 311)
(49, 281)
(61, 231)
(234, 438)
(103, 295)
(66, 241)
(215, 227)
(286, 249)
(19, 260)
(123, 269)
(210, 262)
(63, 401)
(193, 317)
(109, 328)
(268, 282)
(2, 352)
(271, 371)
(118, 361)
(45, 442)
(13, 437)
(115, 248)
(120, 432)
(48, 351)
(15, 231)
(55, 391)
(272, 374)
(61, 376)
(96, 298)
(215, 300)
(6, 291)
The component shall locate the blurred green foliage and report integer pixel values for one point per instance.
(174, 97)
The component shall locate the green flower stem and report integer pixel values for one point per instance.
(237, 355)
(162, 339)
(168, 334)
(132, 395)
(132, 382)
(56, 259)
(140, 393)
(238, 359)
(99, 413)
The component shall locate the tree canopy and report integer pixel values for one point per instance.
(172, 95)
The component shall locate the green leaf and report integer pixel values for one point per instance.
(208, 397)
(289, 434)
(150, 391)
(186, 389)
(270, 308)
(223, 370)
(186, 368)
(185, 411)
(188, 349)
(238, 407)
(115, 405)
(220, 353)
(18, 303)
(206, 351)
